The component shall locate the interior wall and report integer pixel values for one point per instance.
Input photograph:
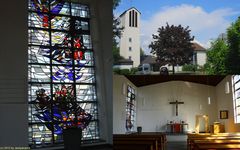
(101, 31)
(154, 110)
(13, 64)
(119, 103)
(225, 102)
(13, 74)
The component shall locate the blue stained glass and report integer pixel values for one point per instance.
(60, 64)
(60, 8)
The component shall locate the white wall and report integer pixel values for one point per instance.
(201, 57)
(13, 65)
(225, 102)
(153, 108)
(119, 103)
(130, 32)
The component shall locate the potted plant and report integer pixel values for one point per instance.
(63, 110)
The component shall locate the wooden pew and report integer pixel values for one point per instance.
(218, 147)
(161, 137)
(198, 144)
(136, 143)
(197, 140)
(158, 139)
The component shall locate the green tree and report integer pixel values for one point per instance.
(233, 56)
(189, 67)
(172, 45)
(142, 53)
(116, 3)
(116, 54)
(116, 34)
(216, 58)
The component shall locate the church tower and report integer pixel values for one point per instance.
(130, 38)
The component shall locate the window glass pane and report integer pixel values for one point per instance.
(39, 20)
(130, 109)
(37, 54)
(61, 56)
(80, 10)
(38, 37)
(41, 134)
(60, 39)
(60, 23)
(33, 88)
(236, 97)
(86, 93)
(60, 7)
(61, 72)
(237, 85)
(38, 5)
(39, 73)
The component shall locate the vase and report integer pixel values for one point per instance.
(72, 138)
(139, 129)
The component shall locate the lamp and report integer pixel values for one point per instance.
(124, 88)
(209, 98)
(227, 89)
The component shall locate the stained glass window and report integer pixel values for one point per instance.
(236, 97)
(61, 72)
(130, 109)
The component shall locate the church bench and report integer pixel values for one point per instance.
(215, 146)
(158, 138)
(208, 140)
(161, 137)
(197, 143)
(140, 144)
(209, 136)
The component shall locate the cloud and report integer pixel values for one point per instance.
(204, 25)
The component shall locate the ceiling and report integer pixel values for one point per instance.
(144, 80)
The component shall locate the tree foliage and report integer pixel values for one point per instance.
(216, 58)
(189, 67)
(116, 29)
(116, 55)
(172, 45)
(116, 3)
(233, 56)
(223, 56)
(142, 53)
(116, 34)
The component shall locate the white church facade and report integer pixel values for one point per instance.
(130, 36)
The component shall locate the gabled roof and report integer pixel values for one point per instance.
(130, 9)
(148, 60)
(198, 47)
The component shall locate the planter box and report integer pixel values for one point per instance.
(72, 138)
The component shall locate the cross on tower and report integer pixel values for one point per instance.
(176, 102)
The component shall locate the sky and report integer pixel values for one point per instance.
(206, 19)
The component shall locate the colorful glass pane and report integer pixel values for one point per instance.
(38, 54)
(85, 93)
(38, 37)
(39, 73)
(130, 109)
(61, 71)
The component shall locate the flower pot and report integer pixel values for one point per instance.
(72, 138)
(139, 130)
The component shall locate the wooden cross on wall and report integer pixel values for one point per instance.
(176, 102)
